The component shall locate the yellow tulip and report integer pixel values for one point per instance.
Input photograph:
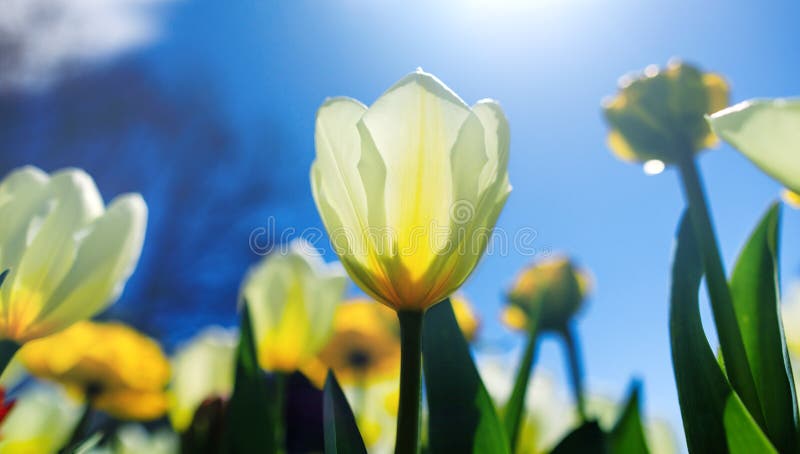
(202, 369)
(410, 188)
(553, 288)
(68, 256)
(467, 319)
(292, 298)
(118, 369)
(41, 422)
(659, 115)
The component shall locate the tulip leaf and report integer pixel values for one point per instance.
(709, 406)
(587, 438)
(767, 132)
(627, 435)
(754, 286)
(462, 417)
(341, 432)
(251, 421)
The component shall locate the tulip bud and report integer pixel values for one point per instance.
(659, 115)
(552, 288)
(292, 298)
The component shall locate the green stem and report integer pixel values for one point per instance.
(410, 382)
(280, 410)
(730, 338)
(82, 428)
(516, 403)
(7, 350)
(570, 336)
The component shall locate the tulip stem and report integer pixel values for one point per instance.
(730, 338)
(280, 379)
(410, 382)
(570, 335)
(516, 403)
(82, 427)
(8, 349)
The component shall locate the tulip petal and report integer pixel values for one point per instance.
(414, 126)
(767, 132)
(105, 259)
(497, 138)
(22, 196)
(52, 247)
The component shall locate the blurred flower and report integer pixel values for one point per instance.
(202, 369)
(767, 132)
(41, 422)
(410, 188)
(365, 345)
(68, 256)
(552, 287)
(118, 369)
(292, 298)
(659, 114)
(135, 439)
(375, 409)
(791, 198)
(550, 414)
(465, 316)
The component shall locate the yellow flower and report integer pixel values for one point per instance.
(365, 345)
(791, 198)
(410, 188)
(68, 255)
(553, 287)
(41, 422)
(202, 369)
(119, 369)
(467, 320)
(659, 114)
(292, 298)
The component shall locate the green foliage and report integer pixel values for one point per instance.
(515, 407)
(627, 435)
(252, 420)
(588, 438)
(754, 286)
(709, 407)
(341, 432)
(462, 417)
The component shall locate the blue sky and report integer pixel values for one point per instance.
(549, 63)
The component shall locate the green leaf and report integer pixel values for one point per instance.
(767, 132)
(251, 421)
(462, 417)
(708, 404)
(627, 435)
(588, 438)
(515, 407)
(341, 432)
(742, 432)
(754, 287)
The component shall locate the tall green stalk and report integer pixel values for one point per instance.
(515, 408)
(573, 354)
(410, 382)
(730, 338)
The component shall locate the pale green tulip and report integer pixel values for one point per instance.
(767, 132)
(41, 421)
(292, 298)
(202, 369)
(410, 188)
(68, 256)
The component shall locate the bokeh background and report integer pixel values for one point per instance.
(207, 108)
